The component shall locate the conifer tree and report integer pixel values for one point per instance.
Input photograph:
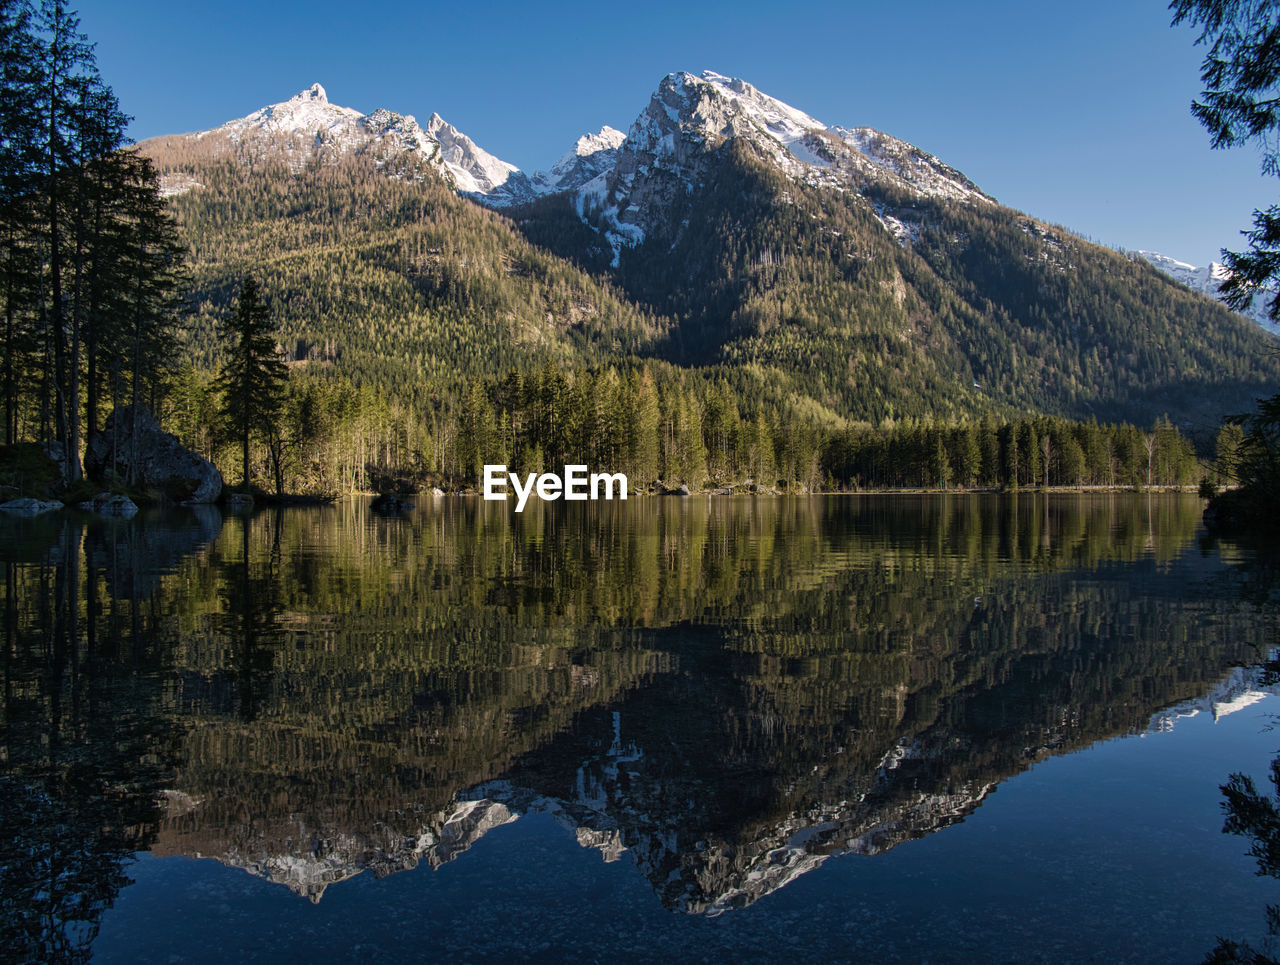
(253, 377)
(642, 431)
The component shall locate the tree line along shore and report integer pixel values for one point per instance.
(94, 281)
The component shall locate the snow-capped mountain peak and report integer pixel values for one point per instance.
(305, 113)
(1206, 281)
(608, 139)
(627, 180)
(780, 121)
(667, 148)
(475, 170)
(918, 170)
(308, 125)
(313, 93)
(708, 108)
(592, 155)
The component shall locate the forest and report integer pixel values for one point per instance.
(412, 336)
(664, 426)
(92, 271)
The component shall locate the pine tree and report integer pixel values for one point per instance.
(642, 431)
(18, 159)
(1228, 445)
(253, 377)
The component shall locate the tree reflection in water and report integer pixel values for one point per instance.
(86, 745)
(725, 693)
(1250, 812)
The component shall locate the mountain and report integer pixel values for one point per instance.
(835, 270)
(375, 263)
(592, 156)
(870, 279)
(308, 125)
(666, 151)
(1206, 281)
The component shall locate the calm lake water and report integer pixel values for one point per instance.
(830, 729)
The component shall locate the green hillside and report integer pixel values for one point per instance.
(390, 280)
(987, 309)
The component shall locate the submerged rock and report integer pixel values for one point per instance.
(133, 445)
(109, 504)
(29, 507)
(390, 504)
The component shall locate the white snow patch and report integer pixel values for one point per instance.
(1206, 281)
(1239, 689)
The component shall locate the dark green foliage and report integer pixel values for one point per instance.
(89, 265)
(27, 470)
(1240, 104)
(253, 374)
(1228, 446)
(1249, 454)
(665, 425)
(1017, 455)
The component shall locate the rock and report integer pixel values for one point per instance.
(162, 463)
(109, 504)
(389, 504)
(437, 491)
(681, 490)
(57, 454)
(29, 507)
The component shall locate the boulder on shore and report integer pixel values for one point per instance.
(134, 446)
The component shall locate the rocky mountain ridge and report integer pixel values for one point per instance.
(859, 277)
(623, 185)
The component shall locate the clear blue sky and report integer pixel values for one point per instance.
(1074, 112)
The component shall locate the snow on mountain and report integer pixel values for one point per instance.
(308, 112)
(593, 155)
(921, 172)
(689, 115)
(475, 171)
(623, 183)
(1206, 281)
(308, 125)
(329, 855)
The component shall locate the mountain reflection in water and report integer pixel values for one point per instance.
(725, 693)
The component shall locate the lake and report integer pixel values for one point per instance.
(706, 729)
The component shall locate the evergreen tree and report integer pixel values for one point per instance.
(642, 431)
(1240, 104)
(1228, 446)
(254, 374)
